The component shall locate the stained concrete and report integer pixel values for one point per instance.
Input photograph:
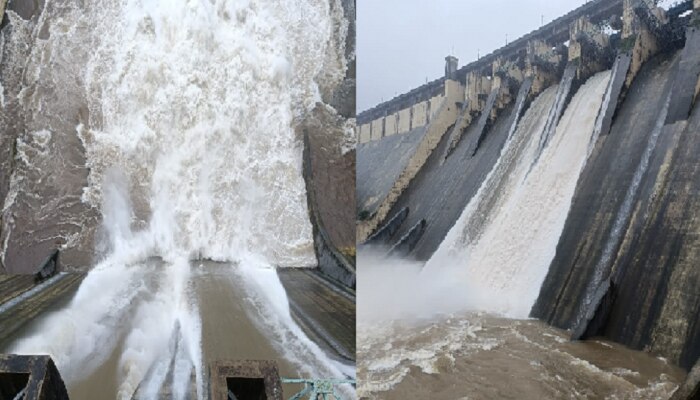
(443, 187)
(329, 174)
(687, 78)
(435, 132)
(379, 164)
(324, 310)
(653, 266)
(22, 299)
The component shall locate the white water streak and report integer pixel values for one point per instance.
(624, 213)
(504, 268)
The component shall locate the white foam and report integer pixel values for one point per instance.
(505, 266)
(192, 153)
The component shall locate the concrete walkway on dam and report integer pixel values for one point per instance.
(228, 308)
(22, 299)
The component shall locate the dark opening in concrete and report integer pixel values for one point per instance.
(12, 384)
(246, 388)
(246, 380)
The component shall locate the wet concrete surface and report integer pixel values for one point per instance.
(654, 257)
(333, 177)
(379, 164)
(324, 311)
(441, 190)
(600, 192)
(22, 299)
(231, 325)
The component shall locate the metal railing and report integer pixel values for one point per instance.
(317, 389)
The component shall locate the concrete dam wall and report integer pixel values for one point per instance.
(632, 223)
(619, 262)
(44, 172)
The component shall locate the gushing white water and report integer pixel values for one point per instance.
(192, 153)
(508, 171)
(504, 261)
(197, 102)
(555, 112)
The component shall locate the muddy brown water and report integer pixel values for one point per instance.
(477, 356)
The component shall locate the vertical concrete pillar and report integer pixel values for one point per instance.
(637, 38)
(427, 111)
(451, 63)
(365, 134)
(377, 128)
(542, 65)
(589, 46)
(404, 120)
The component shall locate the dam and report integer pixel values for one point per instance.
(553, 179)
(167, 231)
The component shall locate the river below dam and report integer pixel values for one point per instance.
(480, 356)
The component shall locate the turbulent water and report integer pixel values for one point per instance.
(503, 243)
(476, 356)
(192, 153)
(447, 335)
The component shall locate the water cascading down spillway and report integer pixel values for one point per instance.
(507, 235)
(193, 155)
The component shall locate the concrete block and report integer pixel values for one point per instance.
(364, 136)
(390, 125)
(377, 129)
(420, 114)
(435, 104)
(404, 124)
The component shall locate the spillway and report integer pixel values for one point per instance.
(580, 213)
(177, 130)
(502, 251)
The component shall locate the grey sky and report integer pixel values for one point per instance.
(400, 43)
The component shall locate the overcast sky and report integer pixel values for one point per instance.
(400, 43)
